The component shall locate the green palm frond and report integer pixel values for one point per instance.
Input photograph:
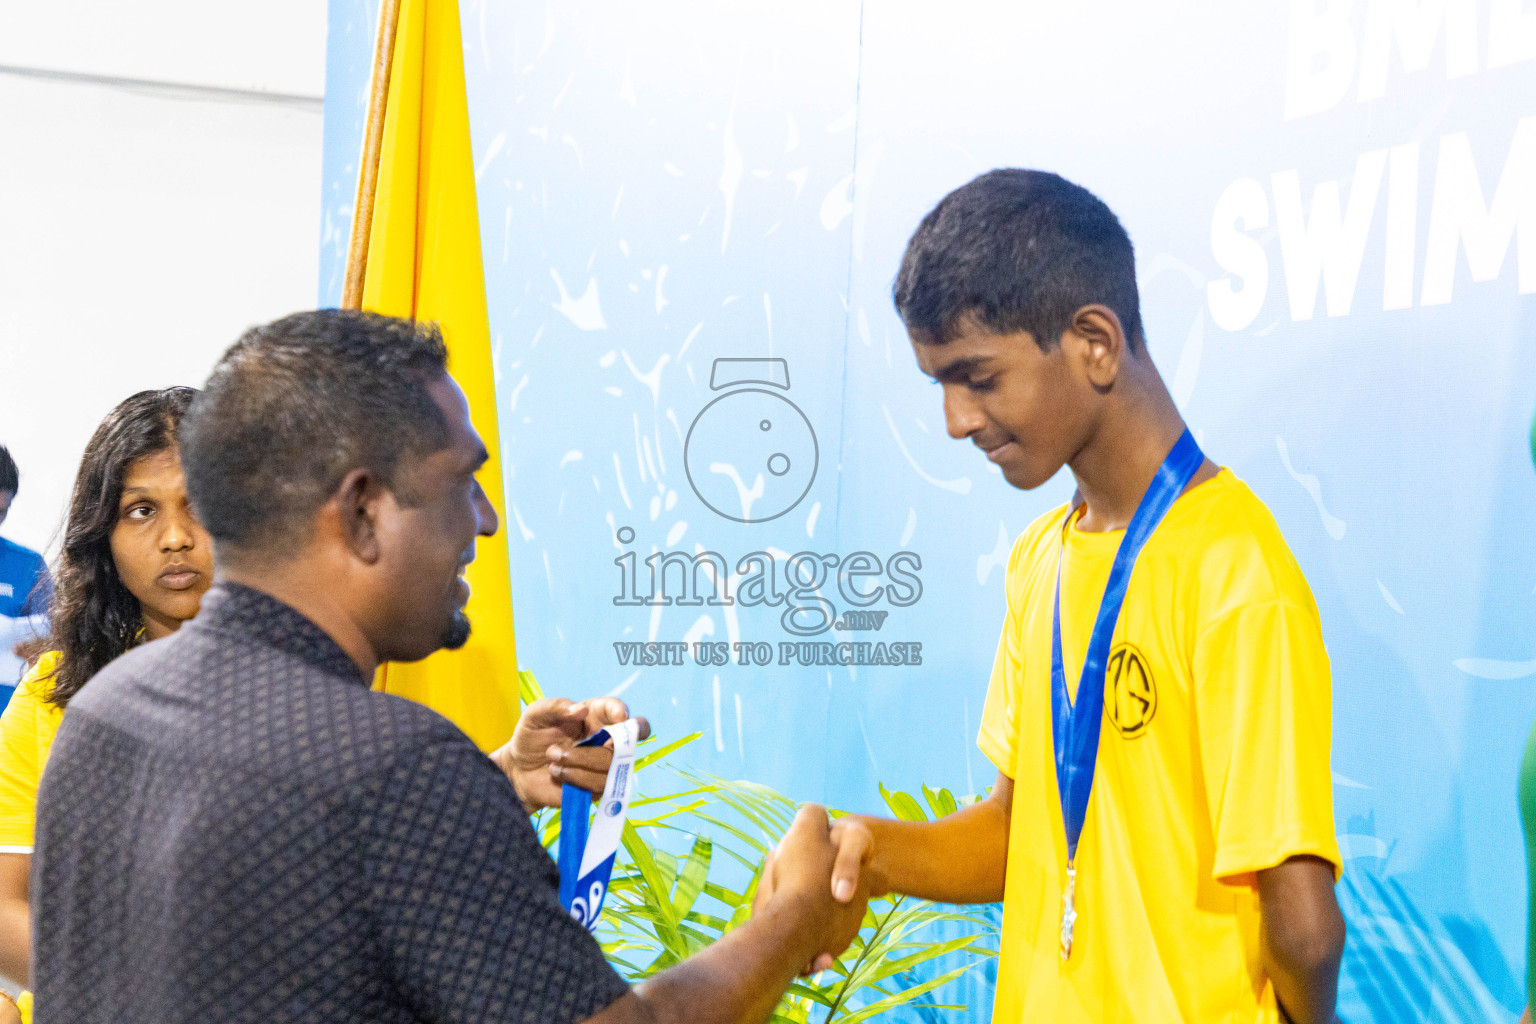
(664, 906)
(744, 821)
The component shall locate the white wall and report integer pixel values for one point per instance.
(159, 192)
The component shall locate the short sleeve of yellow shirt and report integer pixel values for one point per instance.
(1213, 764)
(26, 733)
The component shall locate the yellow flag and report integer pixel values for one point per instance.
(424, 262)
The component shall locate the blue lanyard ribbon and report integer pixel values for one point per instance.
(586, 861)
(1075, 725)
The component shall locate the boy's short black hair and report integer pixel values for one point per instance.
(10, 479)
(295, 405)
(1017, 250)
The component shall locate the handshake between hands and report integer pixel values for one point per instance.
(821, 867)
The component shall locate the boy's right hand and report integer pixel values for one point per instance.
(854, 842)
(799, 870)
(850, 875)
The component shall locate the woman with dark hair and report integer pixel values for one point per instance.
(134, 567)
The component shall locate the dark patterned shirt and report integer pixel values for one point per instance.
(233, 827)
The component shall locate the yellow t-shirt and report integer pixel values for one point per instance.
(26, 734)
(1213, 764)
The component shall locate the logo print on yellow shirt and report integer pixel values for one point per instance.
(1130, 693)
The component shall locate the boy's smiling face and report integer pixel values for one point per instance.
(1028, 409)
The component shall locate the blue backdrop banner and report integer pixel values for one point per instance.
(726, 478)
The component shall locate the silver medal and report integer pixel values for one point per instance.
(1068, 914)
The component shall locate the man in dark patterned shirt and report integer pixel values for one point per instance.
(233, 827)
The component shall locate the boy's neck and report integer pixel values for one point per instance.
(1117, 465)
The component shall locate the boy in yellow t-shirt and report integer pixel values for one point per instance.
(1194, 881)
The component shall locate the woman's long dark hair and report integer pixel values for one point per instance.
(94, 618)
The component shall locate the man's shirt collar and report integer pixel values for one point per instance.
(235, 608)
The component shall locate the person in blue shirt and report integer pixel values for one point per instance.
(24, 585)
(21, 569)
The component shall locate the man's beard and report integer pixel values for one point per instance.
(457, 633)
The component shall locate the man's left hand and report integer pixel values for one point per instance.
(542, 755)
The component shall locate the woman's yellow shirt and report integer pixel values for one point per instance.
(26, 733)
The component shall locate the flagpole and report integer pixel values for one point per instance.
(368, 165)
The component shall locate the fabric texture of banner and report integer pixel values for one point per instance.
(424, 262)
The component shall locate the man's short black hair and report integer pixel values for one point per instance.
(10, 479)
(1016, 250)
(297, 404)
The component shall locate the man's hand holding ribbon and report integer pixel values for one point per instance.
(542, 755)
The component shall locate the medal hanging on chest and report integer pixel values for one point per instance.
(1075, 723)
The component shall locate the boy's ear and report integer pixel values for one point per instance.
(1102, 342)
